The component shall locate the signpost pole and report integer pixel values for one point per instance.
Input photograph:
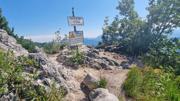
(74, 26)
(75, 37)
(73, 16)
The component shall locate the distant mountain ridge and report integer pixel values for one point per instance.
(92, 41)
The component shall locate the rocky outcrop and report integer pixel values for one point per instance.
(92, 59)
(49, 73)
(102, 94)
(9, 43)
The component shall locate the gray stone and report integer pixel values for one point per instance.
(9, 43)
(102, 94)
(125, 65)
(47, 82)
(91, 81)
(49, 70)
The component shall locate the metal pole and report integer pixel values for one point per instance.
(73, 16)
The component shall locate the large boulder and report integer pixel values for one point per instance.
(9, 43)
(91, 81)
(102, 94)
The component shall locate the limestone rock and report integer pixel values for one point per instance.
(91, 81)
(9, 43)
(93, 59)
(49, 70)
(102, 94)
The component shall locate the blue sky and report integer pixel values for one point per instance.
(39, 19)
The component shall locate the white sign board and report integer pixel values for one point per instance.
(75, 21)
(76, 38)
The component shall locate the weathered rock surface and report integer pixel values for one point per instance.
(93, 59)
(55, 69)
(9, 43)
(49, 73)
(102, 94)
(91, 81)
(76, 77)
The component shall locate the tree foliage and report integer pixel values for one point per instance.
(26, 43)
(5, 26)
(147, 37)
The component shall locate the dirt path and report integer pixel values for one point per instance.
(115, 77)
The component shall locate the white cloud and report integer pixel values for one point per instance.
(40, 38)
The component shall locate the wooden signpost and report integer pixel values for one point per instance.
(75, 37)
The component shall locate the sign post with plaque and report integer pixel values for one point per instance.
(75, 37)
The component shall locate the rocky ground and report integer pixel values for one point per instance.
(78, 81)
(113, 73)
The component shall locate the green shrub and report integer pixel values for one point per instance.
(27, 44)
(177, 80)
(133, 82)
(102, 83)
(53, 48)
(11, 72)
(12, 80)
(77, 57)
(55, 94)
(151, 84)
(25, 61)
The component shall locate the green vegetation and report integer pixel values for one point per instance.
(4, 25)
(55, 94)
(27, 44)
(148, 39)
(132, 84)
(77, 57)
(102, 83)
(12, 80)
(53, 47)
(152, 85)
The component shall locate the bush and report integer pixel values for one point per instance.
(11, 72)
(27, 44)
(25, 61)
(152, 85)
(13, 81)
(53, 48)
(133, 82)
(54, 94)
(177, 80)
(77, 57)
(102, 83)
